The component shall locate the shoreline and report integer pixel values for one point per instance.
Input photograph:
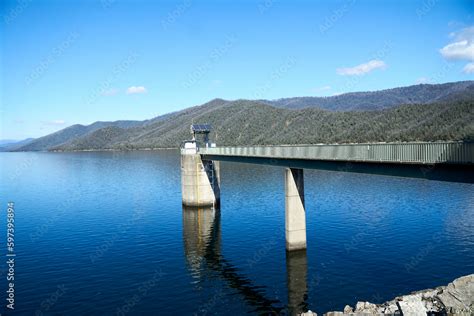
(113, 150)
(91, 150)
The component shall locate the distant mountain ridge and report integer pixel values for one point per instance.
(72, 132)
(4, 142)
(382, 99)
(245, 122)
(10, 145)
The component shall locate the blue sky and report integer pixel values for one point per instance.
(67, 62)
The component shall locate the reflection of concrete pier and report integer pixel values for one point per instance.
(202, 247)
(199, 231)
(202, 234)
(297, 281)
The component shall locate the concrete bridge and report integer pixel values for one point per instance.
(444, 161)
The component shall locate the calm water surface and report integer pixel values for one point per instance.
(105, 234)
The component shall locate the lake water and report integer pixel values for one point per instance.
(105, 234)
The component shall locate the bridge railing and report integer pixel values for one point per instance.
(416, 152)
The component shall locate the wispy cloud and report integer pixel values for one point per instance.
(422, 80)
(469, 68)
(215, 84)
(109, 92)
(461, 48)
(321, 89)
(117, 72)
(362, 69)
(455, 23)
(54, 122)
(136, 90)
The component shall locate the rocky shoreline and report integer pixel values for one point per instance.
(456, 298)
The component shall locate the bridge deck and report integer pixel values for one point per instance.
(414, 153)
(445, 161)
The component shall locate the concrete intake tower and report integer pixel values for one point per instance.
(200, 179)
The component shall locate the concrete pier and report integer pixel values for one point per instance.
(200, 180)
(295, 213)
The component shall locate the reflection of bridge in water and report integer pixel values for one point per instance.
(202, 246)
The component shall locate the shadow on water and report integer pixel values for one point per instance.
(202, 246)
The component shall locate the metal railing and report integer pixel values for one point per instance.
(416, 152)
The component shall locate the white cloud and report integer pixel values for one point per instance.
(362, 69)
(110, 92)
(461, 48)
(136, 90)
(469, 68)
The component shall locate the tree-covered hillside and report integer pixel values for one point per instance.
(249, 122)
(383, 99)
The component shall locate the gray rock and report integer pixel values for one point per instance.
(457, 298)
(389, 307)
(348, 309)
(412, 305)
(366, 307)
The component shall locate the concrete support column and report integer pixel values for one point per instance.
(295, 214)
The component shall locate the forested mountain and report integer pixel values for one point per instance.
(377, 100)
(244, 122)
